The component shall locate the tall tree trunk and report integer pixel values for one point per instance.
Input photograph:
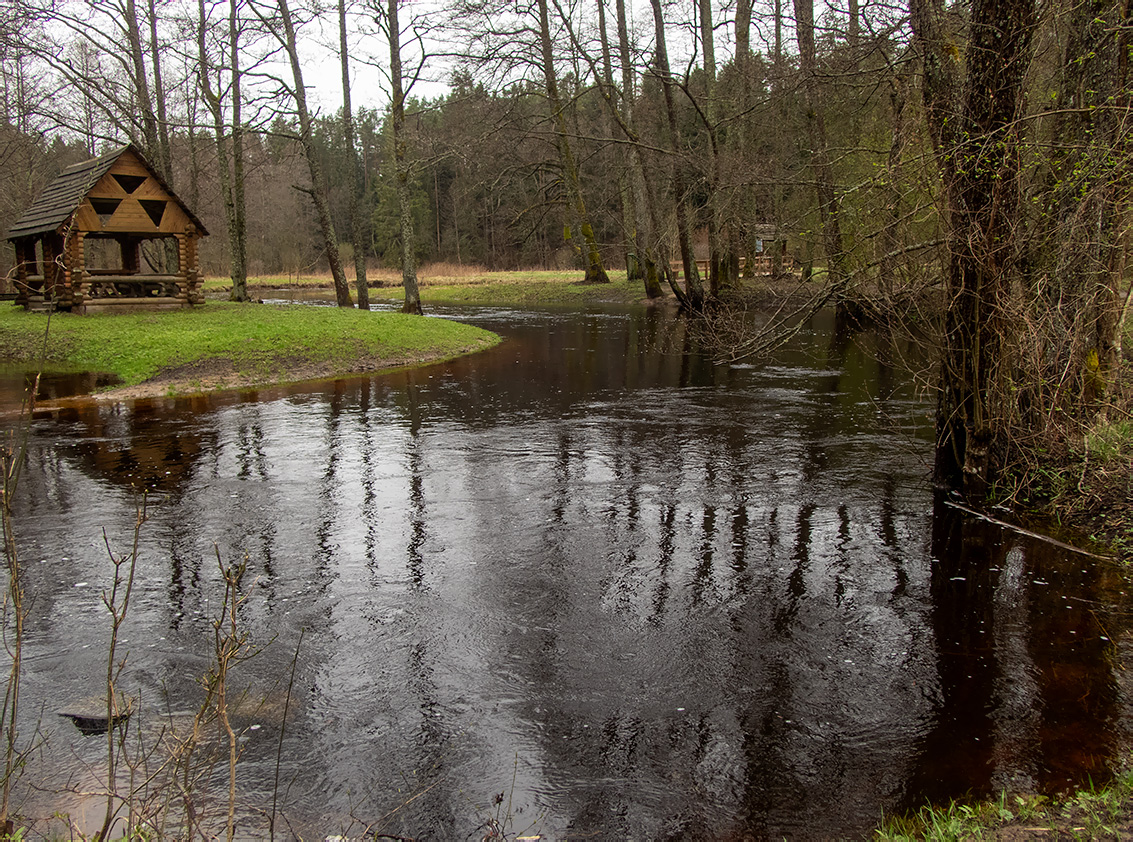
(239, 234)
(645, 227)
(777, 54)
(828, 205)
(625, 187)
(743, 28)
(164, 149)
(940, 73)
(318, 191)
(1089, 202)
(230, 170)
(155, 151)
(142, 88)
(720, 266)
(693, 294)
(980, 167)
(595, 273)
(890, 240)
(357, 232)
(192, 139)
(412, 302)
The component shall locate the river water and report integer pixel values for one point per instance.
(586, 584)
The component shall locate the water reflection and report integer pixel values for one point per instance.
(642, 595)
(17, 380)
(1027, 697)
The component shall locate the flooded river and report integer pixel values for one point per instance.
(587, 584)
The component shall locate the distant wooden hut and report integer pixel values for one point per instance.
(79, 247)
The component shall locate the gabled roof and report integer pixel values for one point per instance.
(62, 197)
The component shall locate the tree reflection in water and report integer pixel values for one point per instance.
(665, 598)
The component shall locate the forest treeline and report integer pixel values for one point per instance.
(971, 153)
(531, 157)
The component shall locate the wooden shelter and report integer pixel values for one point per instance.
(79, 247)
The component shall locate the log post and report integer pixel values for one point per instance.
(189, 266)
(51, 249)
(54, 272)
(77, 267)
(184, 293)
(22, 271)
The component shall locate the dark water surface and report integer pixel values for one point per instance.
(639, 595)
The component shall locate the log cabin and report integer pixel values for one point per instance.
(107, 234)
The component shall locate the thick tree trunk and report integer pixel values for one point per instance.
(1090, 201)
(940, 72)
(777, 50)
(153, 127)
(719, 265)
(743, 28)
(620, 100)
(412, 302)
(595, 272)
(142, 89)
(890, 242)
(314, 168)
(165, 158)
(980, 167)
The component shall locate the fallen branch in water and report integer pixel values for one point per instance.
(1027, 532)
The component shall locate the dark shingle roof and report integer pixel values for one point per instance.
(62, 197)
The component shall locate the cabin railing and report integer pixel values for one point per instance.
(107, 285)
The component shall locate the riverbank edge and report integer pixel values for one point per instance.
(225, 358)
(1104, 812)
(212, 376)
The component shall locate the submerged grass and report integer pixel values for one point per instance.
(267, 341)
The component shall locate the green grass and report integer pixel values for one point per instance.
(450, 284)
(526, 288)
(261, 341)
(957, 820)
(1091, 813)
(1108, 441)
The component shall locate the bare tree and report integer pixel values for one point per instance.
(693, 295)
(357, 187)
(96, 59)
(828, 205)
(412, 303)
(282, 28)
(229, 140)
(572, 184)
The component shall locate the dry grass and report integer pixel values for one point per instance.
(465, 284)
(429, 274)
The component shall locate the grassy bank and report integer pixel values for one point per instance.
(1104, 812)
(1081, 482)
(451, 284)
(222, 344)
